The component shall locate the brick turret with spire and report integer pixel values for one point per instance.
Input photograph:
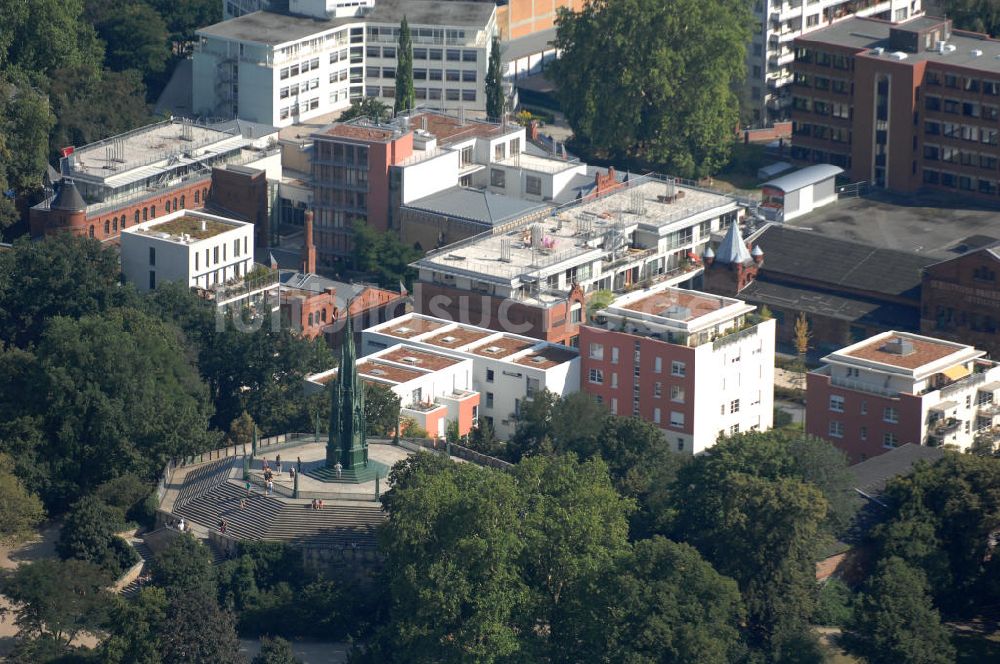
(731, 267)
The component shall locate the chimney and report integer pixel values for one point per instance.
(308, 247)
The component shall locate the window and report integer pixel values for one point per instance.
(890, 415)
(863, 433)
(676, 393)
(107, 226)
(853, 372)
(676, 368)
(489, 399)
(836, 429)
(152, 280)
(614, 379)
(596, 376)
(837, 404)
(137, 216)
(152, 255)
(533, 185)
(576, 315)
(657, 389)
(597, 351)
(489, 375)
(734, 406)
(468, 75)
(733, 430)
(499, 151)
(498, 178)
(889, 440)
(676, 419)
(864, 407)
(656, 416)
(215, 255)
(469, 56)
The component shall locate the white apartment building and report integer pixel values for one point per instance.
(698, 366)
(282, 68)
(770, 52)
(507, 369)
(200, 249)
(433, 388)
(896, 388)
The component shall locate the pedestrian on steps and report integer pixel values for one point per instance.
(277, 463)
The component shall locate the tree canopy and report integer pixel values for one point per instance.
(975, 15)
(405, 95)
(654, 82)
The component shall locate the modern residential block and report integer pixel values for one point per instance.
(507, 369)
(199, 249)
(696, 365)
(904, 106)
(284, 67)
(896, 388)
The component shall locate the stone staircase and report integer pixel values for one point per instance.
(203, 479)
(146, 554)
(339, 524)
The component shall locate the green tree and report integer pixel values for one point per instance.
(111, 394)
(57, 599)
(381, 410)
(197, 630)
(940, 520)
(495, 102)
(834, 605)
(136, 38)
(663, 603)
(451, 545)
(670, 102)
(760, 525)
(184, 18)
(366, 107)
(405, 95)
(25, 121)
(976, 15)
(63, 276)
(184, 567)
(896, 622)
(383, 256)
(20, 510)
(133, 627)
(44, 35)
(483, 438)
(89, 533)
(533, 433)
(241, 430)
(275, 651)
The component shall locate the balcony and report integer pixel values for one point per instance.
(782, 58)
(988, 409)
(858, 386)
(945, 426)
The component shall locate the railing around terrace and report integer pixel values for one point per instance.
(863, 387)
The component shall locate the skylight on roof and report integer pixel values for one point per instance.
(538, 359)
(492, 349)
(449, 339)
(377, 372)
(409, 359)
(403, 330)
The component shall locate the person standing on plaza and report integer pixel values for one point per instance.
(277, 463)
(339, 469)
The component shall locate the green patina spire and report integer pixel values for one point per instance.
(348, 440)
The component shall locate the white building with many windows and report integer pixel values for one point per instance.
(770, 52)
(281, 68)
(200, 249)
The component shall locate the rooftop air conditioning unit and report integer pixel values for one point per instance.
(878, 50)
(898, 55)
(976, 52)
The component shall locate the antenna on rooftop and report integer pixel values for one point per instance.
(461, 115)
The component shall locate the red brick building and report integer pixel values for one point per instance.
(961, 299)
(904, 106)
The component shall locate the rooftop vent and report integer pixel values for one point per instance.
(492, 349)
(403, 330)
(898, 346)
(409, 359)
(976, 52)
(898, 55)
(676, 311)
(538, 359)
(449, 339)
(377, 372)
(454, 257)
(949, 48)
(878, 50)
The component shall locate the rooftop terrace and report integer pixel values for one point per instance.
(530, 162)
(676, 304)
(905, 351)
(502, 347)
(578, 229)
(546, 357)
(457, 337)
(413, 327)
(418, 359)
(389, 373)
(198, 227)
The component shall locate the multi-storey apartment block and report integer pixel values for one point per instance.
(898, 388)
(903, 106)
(698, 366)
(507, 369)
(770, 53)
(534, 279)
(281, 67)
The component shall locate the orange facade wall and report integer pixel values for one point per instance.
(520, 18)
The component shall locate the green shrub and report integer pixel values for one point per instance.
(835, 604)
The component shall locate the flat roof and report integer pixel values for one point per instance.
(359, 132)
(568, 232)
(198, 226)
(531, 162)
(117, 155)
(477, 205)
(412, 327)
(925, 350)
(547, 357)
(276, 27)
(865, 34)
(418, 358)
(503, 346)
(677, 304)
(457, 337)
(449, 129)
(387, 372)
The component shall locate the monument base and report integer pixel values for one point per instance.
(358, 475)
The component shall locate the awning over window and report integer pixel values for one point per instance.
(956, 372)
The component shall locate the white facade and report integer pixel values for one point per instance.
(281, 69)
(779, 22)
(199, 249)
(506, 369)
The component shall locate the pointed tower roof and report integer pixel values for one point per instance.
(708, 253)
(732, 249)
(68, 198)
